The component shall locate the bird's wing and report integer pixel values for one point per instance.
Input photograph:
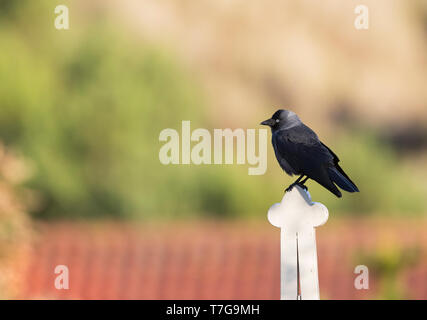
(301, 149)
(336, 159)
(340, 177)
(278, 147)
(307, 155)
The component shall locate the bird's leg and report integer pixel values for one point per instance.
(297, 182)
(301, 184)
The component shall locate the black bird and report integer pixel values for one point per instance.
(299, 151)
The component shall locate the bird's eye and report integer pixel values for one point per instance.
(277, 120)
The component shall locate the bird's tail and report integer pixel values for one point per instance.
(339, 177)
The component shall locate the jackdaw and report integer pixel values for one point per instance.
(299, 151)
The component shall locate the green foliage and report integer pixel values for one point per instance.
(87, 105)
(387, 264)
(89, 117)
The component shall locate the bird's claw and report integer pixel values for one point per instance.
(290, 187)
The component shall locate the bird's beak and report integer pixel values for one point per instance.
(268, 122)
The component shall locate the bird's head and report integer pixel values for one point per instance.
(281, 119)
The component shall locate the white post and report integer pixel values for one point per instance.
(297, 216)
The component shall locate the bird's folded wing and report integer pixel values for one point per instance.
(281, 157)
(301, 149)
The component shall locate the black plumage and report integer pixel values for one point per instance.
(300, 152)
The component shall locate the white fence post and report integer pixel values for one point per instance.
(297, 216)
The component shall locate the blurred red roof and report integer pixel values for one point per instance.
(207, 260)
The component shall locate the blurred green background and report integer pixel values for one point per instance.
(81, 110)
(86, 106)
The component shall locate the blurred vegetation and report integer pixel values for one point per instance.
(387, 186)
(15, 228)
(88, 113)
(87, 105)
(387, 265)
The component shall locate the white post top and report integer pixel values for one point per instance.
(297, 212)
(297, 216)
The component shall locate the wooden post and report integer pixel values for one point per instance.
(297, 216)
